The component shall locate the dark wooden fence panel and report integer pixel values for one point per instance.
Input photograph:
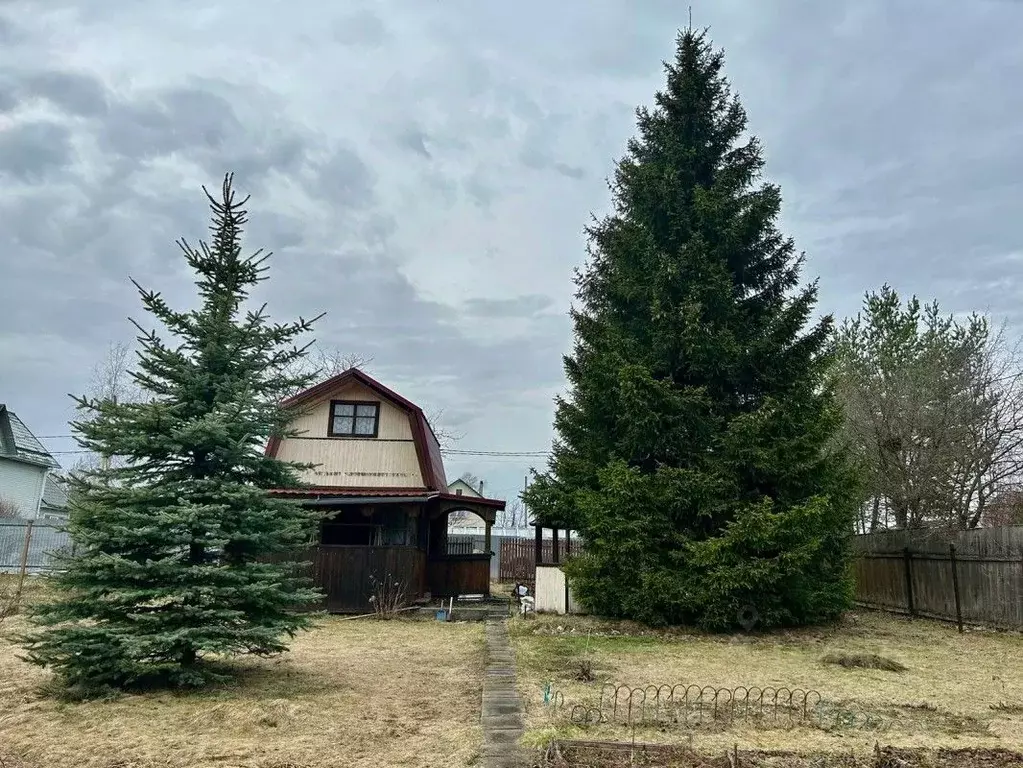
(458, 575)
(518, 557)
(345, 573)
(973, 575)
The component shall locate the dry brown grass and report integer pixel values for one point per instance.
(948, 695)
(352, 693)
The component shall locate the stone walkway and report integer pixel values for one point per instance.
(502, 706)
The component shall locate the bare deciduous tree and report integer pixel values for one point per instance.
(8, 509)
(934, 410)
(326, 361)
(112, 380)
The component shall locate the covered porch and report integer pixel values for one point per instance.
(368, 536)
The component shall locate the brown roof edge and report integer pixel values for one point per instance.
(325, 387)
(470, 500)
(350, 490)
(422, 451)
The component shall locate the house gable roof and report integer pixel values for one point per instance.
(460, 483)
(54, 493)
(431, 464)
(17, 441)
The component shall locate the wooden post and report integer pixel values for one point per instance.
(554, 546)
(539, 542)
(955, 586)
(568, 543)
(908, 559)
(23, 570)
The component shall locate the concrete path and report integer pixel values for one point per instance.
(502, 706)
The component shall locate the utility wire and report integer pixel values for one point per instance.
(509, 454)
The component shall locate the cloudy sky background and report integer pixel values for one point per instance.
(423, 170)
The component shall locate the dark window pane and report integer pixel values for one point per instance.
(366, 410)
(344, 409)
(343, 425)
(364, 426)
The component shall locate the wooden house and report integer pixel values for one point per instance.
(380, 487)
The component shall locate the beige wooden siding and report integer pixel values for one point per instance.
(386, 461)
(394, 422)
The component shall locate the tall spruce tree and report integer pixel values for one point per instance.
(172, 540)
(695, 451)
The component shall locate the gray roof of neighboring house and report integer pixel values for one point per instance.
(54, 494)
(18, 442)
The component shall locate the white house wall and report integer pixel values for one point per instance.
(22, 484)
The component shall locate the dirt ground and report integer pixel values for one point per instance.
(957, 690)
(355, 693)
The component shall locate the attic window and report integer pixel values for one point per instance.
(353, 419)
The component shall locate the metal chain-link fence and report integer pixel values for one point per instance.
(30, 546)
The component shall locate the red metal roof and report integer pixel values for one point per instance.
(326, 490)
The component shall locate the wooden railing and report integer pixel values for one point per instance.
(450, 576)
(346, 574)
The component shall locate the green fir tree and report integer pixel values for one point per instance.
(696, 449)
(172, 570)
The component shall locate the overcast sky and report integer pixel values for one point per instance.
(423, 170)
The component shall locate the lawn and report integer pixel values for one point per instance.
(955, 691)
(350, 692)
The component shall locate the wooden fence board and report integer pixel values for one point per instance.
(989, 573)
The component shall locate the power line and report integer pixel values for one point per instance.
(499, 454)
(456, 451)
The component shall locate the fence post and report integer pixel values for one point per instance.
(955, 585)
(23, 569)
(908, 559)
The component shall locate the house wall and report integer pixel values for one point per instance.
(464, 487)
(386, 461)
(22, 484)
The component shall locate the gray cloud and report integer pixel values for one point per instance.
(32, 151)
(175, 119)
(345, 180)
(74, 92)
(361, 28)
(9, 33)
(414, 139)
(529, 305)
(8, 97)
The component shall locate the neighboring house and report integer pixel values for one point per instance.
(1005, 508)
(25, 466)
(54, 506)
(462, 488)
(464, 521)
(379, 483)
